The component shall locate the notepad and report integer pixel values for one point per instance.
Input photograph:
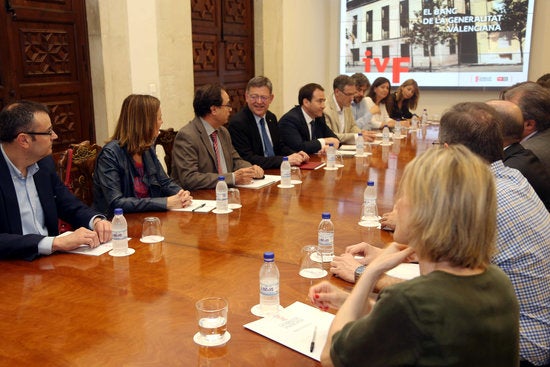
(259, 183)
(312, 165)
(294, 327)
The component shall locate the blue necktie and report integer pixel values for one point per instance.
(268, 148)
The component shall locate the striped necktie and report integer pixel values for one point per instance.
(214, 137)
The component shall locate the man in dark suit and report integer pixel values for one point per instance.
(516, 156)
(254, 129)
(304, 126)
(32, 196)
(203, 150)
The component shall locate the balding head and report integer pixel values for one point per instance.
(511, 120)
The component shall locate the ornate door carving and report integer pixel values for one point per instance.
(223, 45)
(44, 57)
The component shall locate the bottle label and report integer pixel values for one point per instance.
(269, 289)
(119, 235)
(326, 239)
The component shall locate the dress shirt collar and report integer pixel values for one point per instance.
(207, 126)
(14, 171)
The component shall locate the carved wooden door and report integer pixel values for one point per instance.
(223, 45)
(44, 57)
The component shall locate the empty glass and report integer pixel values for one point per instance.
(234, 198)
(151, 231)
(311, 265)
(295, 175)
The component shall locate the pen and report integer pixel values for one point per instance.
(312, 345)
(198, 207)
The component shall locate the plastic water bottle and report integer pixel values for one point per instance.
(285, 173)
(370, 209)
(325, 237)
(119, 229)
(424, 119)
(385, 135)
(269, 285)
(331, 156)
(359, 145)
(221, 194)
(414, 123)
(397, 129)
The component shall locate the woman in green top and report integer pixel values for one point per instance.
(461, 311)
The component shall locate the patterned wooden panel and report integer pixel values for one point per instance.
(237, 97)
(45, 52)
(205, 54)
(236, 54)
(44, 4)
(63, 114)
(203, 10)
(236, 11)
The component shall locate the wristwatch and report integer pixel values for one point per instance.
(359, 271)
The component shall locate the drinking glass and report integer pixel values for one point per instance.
(234, 198)
(311, 265)
(212, 319)
(151, 231)
(295, 175)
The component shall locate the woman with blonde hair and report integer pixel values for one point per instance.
(461, 310)
(128, 174)
(404, 99)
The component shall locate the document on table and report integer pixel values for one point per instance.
(198, 206)
(296, 327)
(87, 250)
(259, 183)
(405, 271)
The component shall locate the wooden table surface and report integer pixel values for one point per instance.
(74, 310)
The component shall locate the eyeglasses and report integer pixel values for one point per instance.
(255, 97)
(347, 94)
(50, 132)
(227, 105)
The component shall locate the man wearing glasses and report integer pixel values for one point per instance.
(203, 149)
(32, 196)
(339, 116)
(254, 129)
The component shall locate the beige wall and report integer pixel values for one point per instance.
(145, 46)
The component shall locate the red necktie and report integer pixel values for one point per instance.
(214, 137)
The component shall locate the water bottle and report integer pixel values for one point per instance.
(285, 173)
(424, 119)
(325, 237)
(359, 145)
(119, 229)
(370, 210)
(221, 194)
(269, 285)
(397, 129)
(386, 135)
(331, 156)
(414, 123)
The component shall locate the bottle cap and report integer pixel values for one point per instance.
(330, 144)
(118, 211)
(285, 158)
(359, 134)
(269, 256)
(221, 178)
(325, 215)
(370, 183)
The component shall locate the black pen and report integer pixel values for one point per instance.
(198, 207)
(312, 345)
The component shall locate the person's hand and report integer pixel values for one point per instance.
(368, 251)
(180, 200)
(82, 236)
(368, 135)
(295, 159)
(103, 229)
(258, 171)
(388, 220)
(390, 257)
(344, 267)
(305, 156)
(334, 141)
(324, 295)
(375, 110)
(245, 176)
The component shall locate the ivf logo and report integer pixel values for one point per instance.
(381, 66)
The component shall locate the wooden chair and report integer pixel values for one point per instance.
(166, 140)
(83, 165)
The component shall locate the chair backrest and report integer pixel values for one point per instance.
(82, 169)
(166, 140)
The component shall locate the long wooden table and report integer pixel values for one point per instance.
(74, 310)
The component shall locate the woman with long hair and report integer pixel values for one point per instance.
(404, 99)
(376, 103)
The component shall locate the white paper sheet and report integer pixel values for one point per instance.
(198, 206)
(267, 180)
(87, 250)
(294, 327)
(405, 271)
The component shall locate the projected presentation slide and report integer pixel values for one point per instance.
(439, 43)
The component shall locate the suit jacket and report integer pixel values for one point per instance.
(347, 135)
(516, 156)
(295, 133)
(539, 144)
(56, 200)
(194, 160)
(246, 139)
